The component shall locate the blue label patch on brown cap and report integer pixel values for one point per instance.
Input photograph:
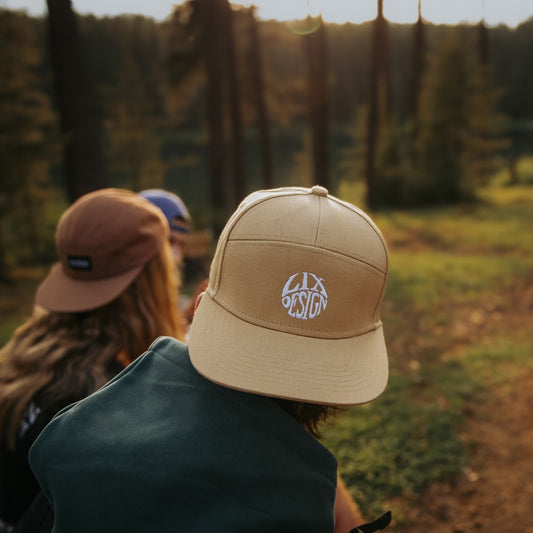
(79, 262)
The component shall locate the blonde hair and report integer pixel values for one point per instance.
(60, 356)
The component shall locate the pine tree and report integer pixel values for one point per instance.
(133, 104)
(458, 126)
(378, 107)
(28, 142)
(202, 24)
(234, 93)
(316, 54)
(258, 91)
(417, 66)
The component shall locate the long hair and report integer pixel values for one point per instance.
(66, 356)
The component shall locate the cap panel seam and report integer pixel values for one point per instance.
(225, 236)
(315, 242)
(364, 261)
(366, 218)
(261, 237)
(377, 308)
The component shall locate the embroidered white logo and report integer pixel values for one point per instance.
(304, 296)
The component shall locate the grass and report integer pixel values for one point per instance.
(426, 279)
(493, 363)
(524, 172)
(456, 275)
(471, 229)
(393, 447)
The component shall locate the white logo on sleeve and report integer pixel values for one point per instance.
(304, 296)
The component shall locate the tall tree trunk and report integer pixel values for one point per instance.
(417, 66)
(316, 51)
(4, 265)
(483, 41)
(239, 167)
(258, 89)
(483, 45)
(214, 57)
(76, 102)
(378, 101)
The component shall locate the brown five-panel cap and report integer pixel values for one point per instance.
(103, 241)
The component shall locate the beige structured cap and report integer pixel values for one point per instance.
(103, 241)
(292, 309)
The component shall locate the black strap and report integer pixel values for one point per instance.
(38, 518)
(377, 525)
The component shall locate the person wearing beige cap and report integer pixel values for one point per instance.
(109, 296)
(220, 435)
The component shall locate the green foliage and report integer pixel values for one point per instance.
(182, 60)
(353, 192)
(352, 159)
(494, 363)
(517, 196)
(468, 229)
(8, 326)
(518, 171)
(456, 127)
(443, 155)
(397, 444)
(151, 87)
(426, 278)
(28, 143)
(16, 299)
(393, 171)
(127, 55)
(21, 250)
(508, 47)
(301, 174)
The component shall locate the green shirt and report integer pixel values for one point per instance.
(162, 449)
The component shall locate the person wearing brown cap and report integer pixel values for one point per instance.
(221, 435)
(109, 296)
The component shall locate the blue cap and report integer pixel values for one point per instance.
(172, 206)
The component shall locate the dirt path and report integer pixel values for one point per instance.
(495, 493)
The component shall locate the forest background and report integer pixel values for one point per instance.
(405, 114)
(428, 127)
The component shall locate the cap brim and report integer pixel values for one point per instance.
(240, 355)
(63, 294)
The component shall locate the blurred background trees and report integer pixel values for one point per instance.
(75, 102)
(213, 103)
(29, 142)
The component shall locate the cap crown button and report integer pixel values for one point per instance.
(319, 191)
